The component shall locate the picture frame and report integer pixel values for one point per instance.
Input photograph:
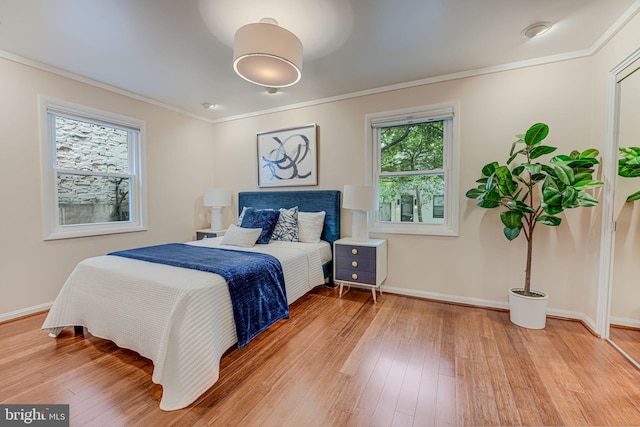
(288, 157)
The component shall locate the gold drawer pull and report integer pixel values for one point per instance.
(354, 276)
(354, 263)
(354, 251)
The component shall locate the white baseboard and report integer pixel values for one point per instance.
(623, 321)
(484, 303)
(586, 320)
(5, 317)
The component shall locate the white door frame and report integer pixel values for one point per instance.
(609, 175)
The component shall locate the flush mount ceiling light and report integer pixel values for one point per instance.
(536, 29)
(321, 25)
(268, 55)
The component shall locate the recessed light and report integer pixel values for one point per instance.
(536, 29)
(208, 105)
(272, 90)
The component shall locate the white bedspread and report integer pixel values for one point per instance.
(179, 318)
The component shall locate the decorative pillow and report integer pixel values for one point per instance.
(239, 222)
(238, 236)
(310, 226)
(286, 229)
(263, 218)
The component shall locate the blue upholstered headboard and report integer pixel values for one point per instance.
(306, 201)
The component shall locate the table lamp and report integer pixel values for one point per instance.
(360, 199)
(217, 199)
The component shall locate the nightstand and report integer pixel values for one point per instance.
(360, 263)
(208, 233)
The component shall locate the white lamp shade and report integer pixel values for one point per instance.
(267, 55)
(217, 197)
(359, 197)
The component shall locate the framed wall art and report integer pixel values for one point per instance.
(288, 157)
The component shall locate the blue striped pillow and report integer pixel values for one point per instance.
(286, 229)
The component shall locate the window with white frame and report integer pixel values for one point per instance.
(414, 166)
(92, 172)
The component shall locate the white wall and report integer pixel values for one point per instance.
(180, 154)
(479, 265)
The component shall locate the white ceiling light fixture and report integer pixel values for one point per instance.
(536, 29)
(267, 55)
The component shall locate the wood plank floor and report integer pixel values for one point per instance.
(627, 339)
(345, 362)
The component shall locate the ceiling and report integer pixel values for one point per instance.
(168, 52)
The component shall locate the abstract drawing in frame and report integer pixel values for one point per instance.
(288, 157)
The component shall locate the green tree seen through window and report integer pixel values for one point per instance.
(412, 163)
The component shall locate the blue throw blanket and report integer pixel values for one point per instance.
(255, 280)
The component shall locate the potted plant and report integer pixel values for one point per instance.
(629, 167)
(533, 193)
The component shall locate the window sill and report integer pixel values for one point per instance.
(97, 231)
(420, 229)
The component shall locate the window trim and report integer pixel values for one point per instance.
(451, 165)
(51, 229)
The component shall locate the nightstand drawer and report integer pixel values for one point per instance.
(208, 234)
(356, 276)
(356, 264)
(201, 235)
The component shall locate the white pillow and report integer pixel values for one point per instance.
(310, 226)
(238, 236)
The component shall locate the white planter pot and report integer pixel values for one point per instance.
(527, 311)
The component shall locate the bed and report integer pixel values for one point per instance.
(182, 319)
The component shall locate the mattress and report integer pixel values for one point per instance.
(179, 318)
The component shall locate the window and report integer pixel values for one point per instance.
(414, 165)
(92, 172)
